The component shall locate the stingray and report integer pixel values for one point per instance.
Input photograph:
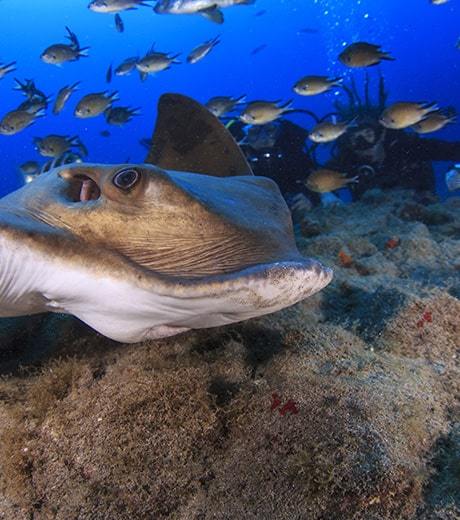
(189, 239)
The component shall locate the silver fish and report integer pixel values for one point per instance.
(404, 114)
(263, 112)
(60, 53)
(63, 96)
(29, 168)
(210, 9)
(95, 104)
(154, 62)
(363, 54)
(115, 6)
(327, 132)
(55, 145)
(126, 66)
(29, 89)
(6, 68)
(202, 50)
(120, 115)
(119, 25)
(221, 105)
(17, 120)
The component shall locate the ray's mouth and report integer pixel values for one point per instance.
(82, 188)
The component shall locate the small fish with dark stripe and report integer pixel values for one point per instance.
(108, 74)
(258, 49)
(119, 25)
(202, 50)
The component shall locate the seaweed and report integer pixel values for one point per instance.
(363, 106)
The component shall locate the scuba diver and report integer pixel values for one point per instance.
(379, 157)
(278, 150)
(383, 158)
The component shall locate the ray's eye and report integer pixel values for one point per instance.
(126, 179)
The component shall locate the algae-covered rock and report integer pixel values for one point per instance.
(345, 406)
(182, 431)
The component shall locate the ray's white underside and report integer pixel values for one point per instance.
(32, 282)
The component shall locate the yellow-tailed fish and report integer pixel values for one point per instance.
(404, 114)
(313, 85)
(263, 112)
(325, 180)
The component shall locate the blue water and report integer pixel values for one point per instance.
(420, 36)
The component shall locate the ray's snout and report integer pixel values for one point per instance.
(317, 276)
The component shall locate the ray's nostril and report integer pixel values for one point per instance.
(82, 188)
(86, 190)
(89, 190)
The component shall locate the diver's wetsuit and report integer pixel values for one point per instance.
(381, 158)
(284, 159)
(395, 160)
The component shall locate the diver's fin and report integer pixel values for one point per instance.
(213, 14)
(187, 137)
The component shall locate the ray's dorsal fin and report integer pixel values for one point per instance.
(187, 137)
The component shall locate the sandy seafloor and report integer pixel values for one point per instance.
(365, 421)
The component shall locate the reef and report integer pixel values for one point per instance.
(345, 406)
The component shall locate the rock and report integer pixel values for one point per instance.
(345, 406)
(429, 216)
(167, 430)
(309, 228)
(27, 340)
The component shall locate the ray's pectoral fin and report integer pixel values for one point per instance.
(187, 137)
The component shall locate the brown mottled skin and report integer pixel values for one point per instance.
(178, 224)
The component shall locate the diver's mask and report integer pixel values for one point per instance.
(364, 138)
